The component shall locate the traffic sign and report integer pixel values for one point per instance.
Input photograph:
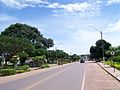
(112, 53)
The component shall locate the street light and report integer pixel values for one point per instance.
(56, 52)
(101, 33)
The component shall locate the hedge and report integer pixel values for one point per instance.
(25, 67)
(5, 72)
(20, 71)
(44, 66)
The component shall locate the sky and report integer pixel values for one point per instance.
(74, 25)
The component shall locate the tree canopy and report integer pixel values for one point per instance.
(9, 46)
(23, 38)
(30, 33)
(97, 51)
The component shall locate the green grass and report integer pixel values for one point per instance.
(113, 64)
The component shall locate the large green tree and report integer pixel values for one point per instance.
(30, 33)
(97, 51)
(9, 46)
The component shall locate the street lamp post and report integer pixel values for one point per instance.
(101, 33)
(56, 54)
(102, 45)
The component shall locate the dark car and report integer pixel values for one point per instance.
(82, 61)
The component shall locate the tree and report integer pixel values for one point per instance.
(9, 46)
(14, 60)
(51, 56)
(30, 33)
(75, 57)
(2, 59)
(39, 60)
(97, 51)
(23, 56)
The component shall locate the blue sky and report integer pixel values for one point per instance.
(66, 21)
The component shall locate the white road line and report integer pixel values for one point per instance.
(83, 82)
(45, 79)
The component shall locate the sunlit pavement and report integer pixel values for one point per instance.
(112, 71)
(97, 78)
(74, 76)
(65, 77)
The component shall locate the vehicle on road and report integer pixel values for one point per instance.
(82, 61)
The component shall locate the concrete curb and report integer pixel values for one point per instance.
(113, 75)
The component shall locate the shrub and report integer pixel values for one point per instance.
(116, 59)
(25, 67)
(5, 72)
(14, 60)
(20, 71)
(44, 66)
(117, 66)
(8, 67)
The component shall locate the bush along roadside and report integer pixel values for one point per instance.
(44, 65)
(24, 67)
(6, 72)
(13, 70)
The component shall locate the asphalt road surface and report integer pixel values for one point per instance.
(66, 77)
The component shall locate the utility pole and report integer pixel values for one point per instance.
(101, 33)
(56, 55)
(102, 45)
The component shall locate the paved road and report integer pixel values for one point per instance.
(68, 77)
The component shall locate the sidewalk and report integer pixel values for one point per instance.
(96, 78)
(112, 71)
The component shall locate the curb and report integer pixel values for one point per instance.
(118, 79)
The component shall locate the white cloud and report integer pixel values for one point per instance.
(80, 42)
(71, 30)
(74, 32)
(23, 3)
(75, 7)
(5, 17)
(112, 1)
(113, 27)
(70, 7)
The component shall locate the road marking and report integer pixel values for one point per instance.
(83, 82)
(41, 81)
